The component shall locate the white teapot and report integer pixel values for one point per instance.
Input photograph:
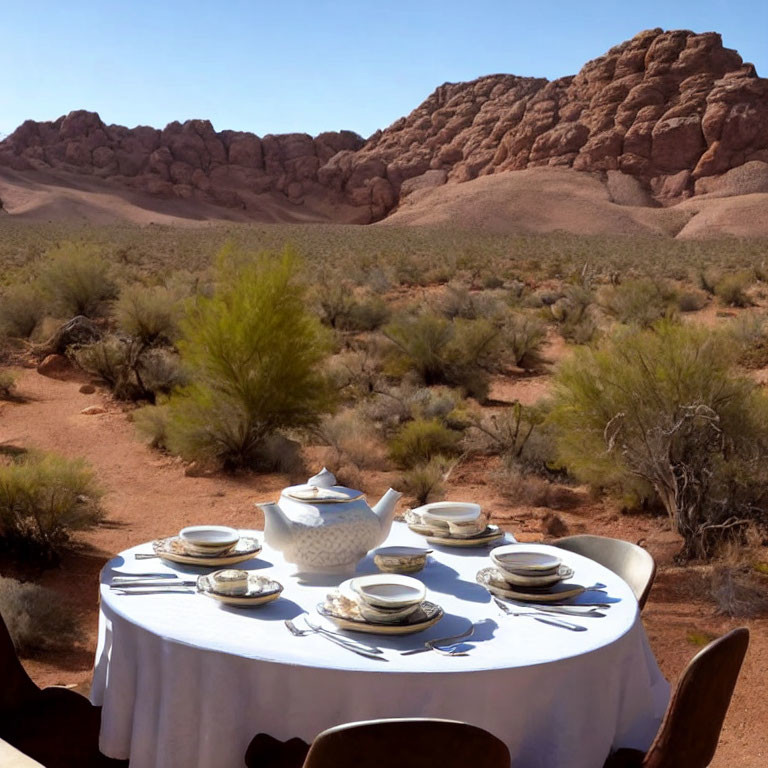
(324, 528)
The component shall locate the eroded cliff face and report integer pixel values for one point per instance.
(671, 109)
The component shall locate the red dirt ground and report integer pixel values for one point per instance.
(148, 495)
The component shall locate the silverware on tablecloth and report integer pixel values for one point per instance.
(342, 642)
(141, 589)
(560, 608)
(147, 583)
(552, 620)
(145, 556)
(144, 575)
(440, 643)
(323, 630)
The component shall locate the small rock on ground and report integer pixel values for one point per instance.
(87, 389)
(92, 410)
(55, 367)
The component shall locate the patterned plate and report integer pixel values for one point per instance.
(260, 590)
(490, 534)
(504, 579)
(173, 549)
(425, 616)
(553, 594)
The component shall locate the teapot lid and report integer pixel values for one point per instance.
(322, 488)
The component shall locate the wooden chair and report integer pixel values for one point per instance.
(407, 743)
(691, 728)
(54, 726)
(634, 564)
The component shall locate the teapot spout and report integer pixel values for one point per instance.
(385, 511)
(277, 527)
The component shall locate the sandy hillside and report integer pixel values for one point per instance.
(39, 196)
(542, 200)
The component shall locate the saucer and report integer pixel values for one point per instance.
(174, 550)
(490, 534)
(552, 594)
(260, 590)
(504, 579)
(425, 616)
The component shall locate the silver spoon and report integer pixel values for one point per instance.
(555, 622)
(440, 641)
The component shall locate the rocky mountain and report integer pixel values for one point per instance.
(673, 111)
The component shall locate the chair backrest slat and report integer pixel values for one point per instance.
(407, 743)
(634, 564)
(691, 729)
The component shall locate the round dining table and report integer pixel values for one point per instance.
(186, 681)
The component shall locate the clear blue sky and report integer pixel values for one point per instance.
(312, 65)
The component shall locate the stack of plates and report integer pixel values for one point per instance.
(524, 574)
(452, 524)
(209, 546)
(382, 603)
(251, 589)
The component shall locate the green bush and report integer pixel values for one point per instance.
(152, 422)
(420, 440)
(22, 307)
(691, 301)
(750, 332)
(664, 406)
(426, 482)
(521, 340)
(639, 302)
(731, 289)
(148, 313)
(253, 353)
(77, 279)
(7, 385)
(341, 309)
(43, 498)
(36, 618)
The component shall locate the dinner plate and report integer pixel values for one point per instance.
(427, 615)
(506, 578)
(491, 533)
(260, 590)
(173, 549)
(553, 594)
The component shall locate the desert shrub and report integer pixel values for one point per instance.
(425, 482)
(708, 280)
(253, 353)
(152, 422)
(456, 300)
(420, 440)
(43, 498)
(341, 309)
(739, 591)
(639, 302)
(505, 433)
(525, 489)
(521, 340)
(691, 301)
(352, 439)
(36, 618)
(441, 351)
(663, 405)
(77, 279)
(731, 289)
(22, 307)
(7, 385)
(158, 371)
(575, 315)
(149, 313)
(750, 332)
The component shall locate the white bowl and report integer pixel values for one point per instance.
(389, 590)
(400, 559)
(514, 559)
(447, 512)
(209, 539)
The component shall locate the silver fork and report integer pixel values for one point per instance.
(439, 644)
(544, 619)
(342, 642)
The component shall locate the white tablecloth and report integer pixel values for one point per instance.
(185, 682)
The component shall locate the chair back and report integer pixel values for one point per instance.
(17, 688)
(634, 564)
(691, 729)
(407, 743)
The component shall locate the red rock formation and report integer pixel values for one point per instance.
(667, 108)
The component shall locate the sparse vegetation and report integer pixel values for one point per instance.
(253, 353)
(43, 499)
(731, 289)
(424, 482)
(7, 385)
(420, 440)
(21, 309)
(77, 279)
(639, 302)
(149, 314)
(36, 618)
(664, 406)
